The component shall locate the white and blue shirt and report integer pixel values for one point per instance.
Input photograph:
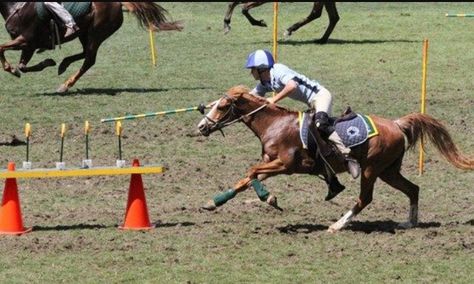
(280, 75)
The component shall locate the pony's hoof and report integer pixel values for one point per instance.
(226, 30)
(16, 72)
(210, 206)
(332, 230)
(272, 201)
(286, 34)
(62, 89)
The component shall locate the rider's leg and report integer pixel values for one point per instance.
(65, 17)
(322, 105)
(352, 164)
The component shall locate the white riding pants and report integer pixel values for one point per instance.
(61, 12)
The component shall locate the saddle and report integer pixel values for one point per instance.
(353, 128)
(76, 9)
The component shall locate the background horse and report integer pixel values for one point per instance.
(283, 153)
(313, 15)
(29, 33)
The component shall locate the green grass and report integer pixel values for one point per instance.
(372, 62)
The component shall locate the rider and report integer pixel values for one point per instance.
(65, 16)
(286, 82)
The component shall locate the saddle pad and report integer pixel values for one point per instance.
(76, 9)
(356, 131)
(303, 122)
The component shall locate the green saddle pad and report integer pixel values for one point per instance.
(76, 9)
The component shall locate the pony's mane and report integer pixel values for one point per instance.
(244, 90)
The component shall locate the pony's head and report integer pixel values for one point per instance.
(230, 108)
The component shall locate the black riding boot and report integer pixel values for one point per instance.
(334, 188)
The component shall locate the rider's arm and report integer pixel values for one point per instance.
(288, 89)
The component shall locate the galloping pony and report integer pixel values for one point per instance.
(380, 156)
(315, 13)
(27, 24)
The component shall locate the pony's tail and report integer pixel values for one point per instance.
(418, 125)
(152, 15)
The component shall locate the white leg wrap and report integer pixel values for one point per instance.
(341, 223)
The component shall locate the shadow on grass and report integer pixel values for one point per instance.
(167, 225)
(71, 227)
(114, 91)
(355, 226)
(383, 226)
(342, 41)
(99, 226)
(301, 228)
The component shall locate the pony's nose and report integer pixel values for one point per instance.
(203, 128)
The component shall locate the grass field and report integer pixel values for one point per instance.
(372, 62)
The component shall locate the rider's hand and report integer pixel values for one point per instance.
(271, 100)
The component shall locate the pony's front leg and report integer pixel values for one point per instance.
(17, 43)
(255, 175)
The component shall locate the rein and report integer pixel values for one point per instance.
(224, 123)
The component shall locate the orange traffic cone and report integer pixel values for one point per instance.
(136, 215)
(10, 213)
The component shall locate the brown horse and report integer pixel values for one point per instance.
(282, 151)
(29, 33)
(313, 15)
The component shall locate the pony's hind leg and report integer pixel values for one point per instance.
(394, 178)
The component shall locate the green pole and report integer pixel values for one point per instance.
(200, 108)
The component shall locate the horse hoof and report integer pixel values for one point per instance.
(62, 89)
(210, 206)
(226, 30)
(332, 230)
(16, 72)
(272, 201)
(286, 34)
(262, 23)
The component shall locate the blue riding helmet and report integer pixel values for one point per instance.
(260, 59)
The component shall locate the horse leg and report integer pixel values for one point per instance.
(252, 20)
(333, 19)
(90, 57)
(314, 14)
(26, 56)
(394, 178)
(365, 197)
(17, 43)
(70, 59)
(255, 175)
(228, 15)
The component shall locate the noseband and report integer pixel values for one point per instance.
(226, 120)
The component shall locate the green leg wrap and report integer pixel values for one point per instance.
(223, 197)
(262, 193)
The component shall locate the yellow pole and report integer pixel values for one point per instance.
(275, 33)
(423, 98)
(275, 30)
(152, 46)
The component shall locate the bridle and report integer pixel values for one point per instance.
(226, 119)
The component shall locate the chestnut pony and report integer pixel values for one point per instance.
(282, 151)
(313, 15)
(29, 33)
